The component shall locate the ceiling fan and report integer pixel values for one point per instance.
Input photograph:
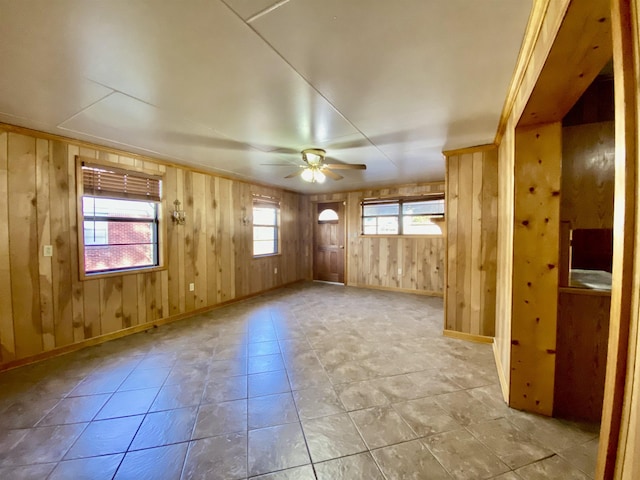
(316, 170)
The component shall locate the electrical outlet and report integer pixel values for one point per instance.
(192, 287)
(275, 270)
(48, 251)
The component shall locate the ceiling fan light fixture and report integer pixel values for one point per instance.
(313, 175)
(307, 175)
(313, 156)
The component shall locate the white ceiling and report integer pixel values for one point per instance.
(230, 85)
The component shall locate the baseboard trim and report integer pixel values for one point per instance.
(90, 342)
(504, 385)
(427, 293)
(470, 337)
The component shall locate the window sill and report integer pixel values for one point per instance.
(423, 235)
(267, 255)
(120, 273)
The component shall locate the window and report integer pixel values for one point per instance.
(119, 217)
(328, 215)
(265, 227)
(402, 216)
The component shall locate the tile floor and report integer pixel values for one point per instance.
(315, 381)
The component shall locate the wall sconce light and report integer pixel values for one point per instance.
(178, 216)
(245, 220)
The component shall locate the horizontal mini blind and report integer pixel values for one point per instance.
(105, 181)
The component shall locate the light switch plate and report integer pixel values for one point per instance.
(47, 251)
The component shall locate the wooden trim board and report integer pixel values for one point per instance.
(467, 336)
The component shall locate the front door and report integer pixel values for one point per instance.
(328, 254)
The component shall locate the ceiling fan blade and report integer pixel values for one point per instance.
(346, 166)
(330, 174)
(281, 165)
(295, 174)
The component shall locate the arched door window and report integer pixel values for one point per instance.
(328, 215)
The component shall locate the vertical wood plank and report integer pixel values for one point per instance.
(130, 301)
(475, 265)
(189, 243)
(211, 240)
(7, 339)
(60, 231)
(77, 286)
(44, 238)
(173, 238)
(452, 196)
(111, 304)
(489, 241)
(199, 246)
(92, 304)
(23, 245)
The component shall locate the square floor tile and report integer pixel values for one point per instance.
(409, 460)
(425, 416)
(583, 456)
(153, 463)
(125, 404)
(42, 445)
(463, 456)
(317, 402)
(265, 363)
(512, 446)
(277, 448)
(178, 396)
(75, 410)
(224, 389)
(220, 418)
(145, 378)
(270, 410)
(27, 472)
(298, 473)
(381, 426)
(93, 468)
(359, 395)
(268, 383)
(361, 466)
(105, 436)
(553, 467)
(263, 348)
(332, 437)
(217, 458)
(165, 427)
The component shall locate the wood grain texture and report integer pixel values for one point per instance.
(535, 269)
(471, 218)
(582, 337)
(588, 156)
(7, 335)
(619, 445)
(44, 306)
(23, 245)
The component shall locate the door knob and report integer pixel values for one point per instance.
(341, 246)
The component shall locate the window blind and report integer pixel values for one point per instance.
(106, 181)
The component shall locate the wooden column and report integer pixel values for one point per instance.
(538, 154)
(471, 234)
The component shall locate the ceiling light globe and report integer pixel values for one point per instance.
(307, 175)
(320, 177)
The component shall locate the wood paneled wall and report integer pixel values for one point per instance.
(566, 46)
(588, 155)
(373, 261)
(44, 305)
(581, 357)
(472, 229)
